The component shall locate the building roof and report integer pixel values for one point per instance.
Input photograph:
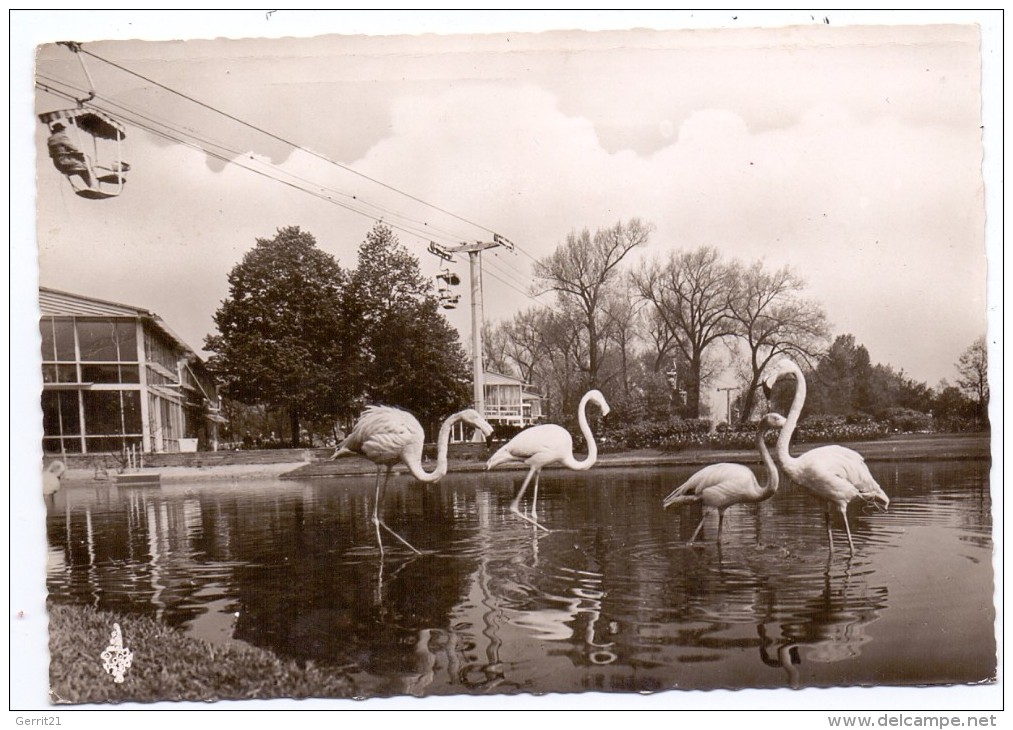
(492, 378)
(56, 303)
(527, 389)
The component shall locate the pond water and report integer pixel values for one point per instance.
(612, 599)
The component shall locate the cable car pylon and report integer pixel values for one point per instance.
(474, 251)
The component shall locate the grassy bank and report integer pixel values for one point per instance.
(168, 666)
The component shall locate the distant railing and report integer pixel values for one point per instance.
(505, 410)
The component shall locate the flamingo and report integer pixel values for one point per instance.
(545, 445)
(387, 436)
(719, 486)
(51, 476)
(835, 474)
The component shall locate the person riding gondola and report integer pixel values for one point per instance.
(67, 158)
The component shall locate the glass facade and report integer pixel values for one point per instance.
(96, 397)
(91, 394)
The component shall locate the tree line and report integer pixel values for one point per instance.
(654, 335)
(301, 336)
(303, 345)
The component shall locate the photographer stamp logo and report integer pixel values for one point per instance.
(116, 659)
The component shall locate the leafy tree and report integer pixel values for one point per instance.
(842, 381)
(279, 327)
(951, 405)
(690, 294)
(582, 272)
(406, 353)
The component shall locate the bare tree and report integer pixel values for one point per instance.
(526, 345)
(623, 329)
(495, 344)
(973, 369)
(582, 271)
(690, 294)
(660, 339)
(773, 319)
(561, 373)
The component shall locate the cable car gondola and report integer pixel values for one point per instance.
(87, 147)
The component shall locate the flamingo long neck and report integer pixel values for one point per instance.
(592, 447)
(784, 458)
(772, 475)
(443, 442)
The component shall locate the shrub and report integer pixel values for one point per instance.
(907, 420)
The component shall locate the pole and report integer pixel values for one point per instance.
(474, 251)
(728, 400)
(475, 258)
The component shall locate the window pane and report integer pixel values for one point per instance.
(97, 340)
(63, 334)
(126, 334)
(109, 374)
(102, 412)
(109, 341)
(112, 444)
(132, 410)
(70, 446)
(100, 373)
(60, 413)
(51, 412)
(48, 340)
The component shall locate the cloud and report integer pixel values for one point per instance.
(875, 205)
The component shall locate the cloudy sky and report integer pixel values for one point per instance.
(851, 150)
(852, 153)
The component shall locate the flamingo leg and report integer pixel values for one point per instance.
(698, 528)
(378, 522)
(847, 527)
(830, 535)
(515, 505)
(534, 497)
(376, 513)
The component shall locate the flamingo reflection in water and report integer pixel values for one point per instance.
(560, 621)
(830, 628)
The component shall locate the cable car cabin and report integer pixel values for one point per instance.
(87, 147)
(449, 302)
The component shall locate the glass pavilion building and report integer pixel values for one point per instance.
(115, 378)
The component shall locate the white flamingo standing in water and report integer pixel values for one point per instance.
(546, 445)
(51, 477)
(719, 486)
(835, 474)
(388, 436)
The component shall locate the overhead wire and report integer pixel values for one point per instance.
(294, 145)
(231, 156)
(234, 156)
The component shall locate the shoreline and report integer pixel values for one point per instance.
(906, 447)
